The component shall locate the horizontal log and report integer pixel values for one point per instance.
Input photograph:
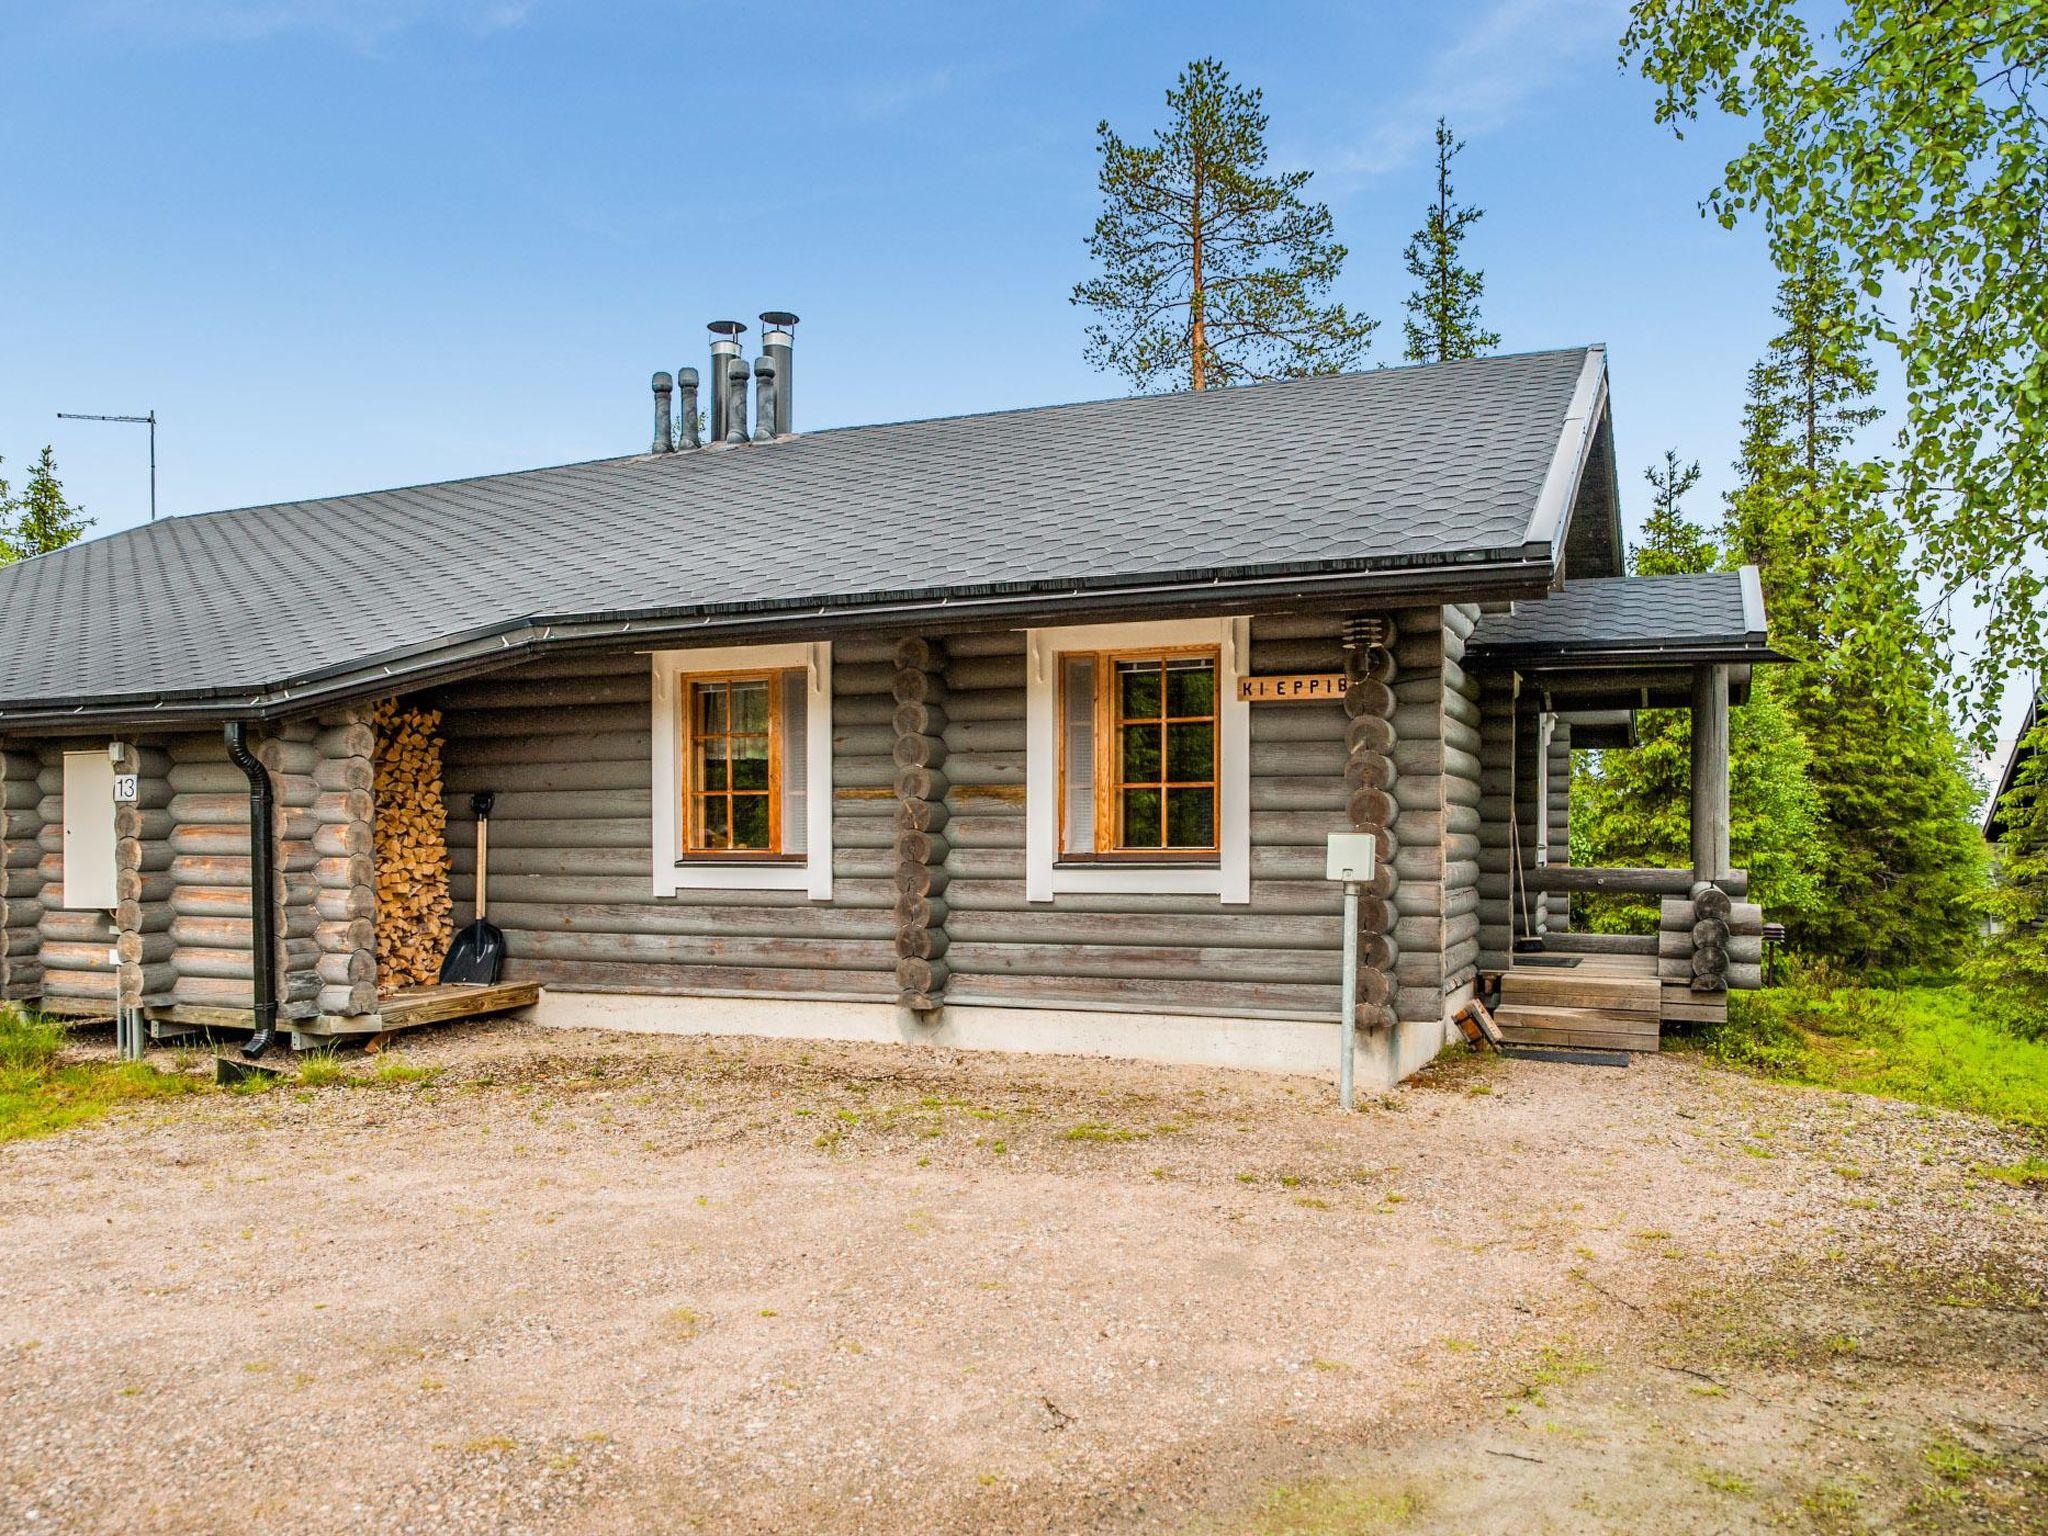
(1611, 882)
(348, 1000)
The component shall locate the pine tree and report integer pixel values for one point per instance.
(1633, 807)
(40, 519)
(1443, 323)
(1213, 272)
(1902, 860)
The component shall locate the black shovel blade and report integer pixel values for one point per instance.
(475, 958)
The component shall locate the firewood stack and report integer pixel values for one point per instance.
(1369, 775)
(920, 756)
(415, 915)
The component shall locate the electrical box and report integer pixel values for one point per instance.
(89, 831)
(1351, 856)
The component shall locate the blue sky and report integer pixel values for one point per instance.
(340, 244)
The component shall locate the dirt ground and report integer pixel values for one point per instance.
(589, 1283)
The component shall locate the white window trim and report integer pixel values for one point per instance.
(673, 873)
(1230, 878)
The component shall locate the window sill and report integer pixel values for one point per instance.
(734, 875)
(1138, 859)
(1148, 877)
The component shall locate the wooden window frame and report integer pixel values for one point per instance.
(1108, 742)
(687, 684)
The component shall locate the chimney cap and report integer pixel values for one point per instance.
(726, 328)
(687, 377)
(663, 383)
(778, 319)
(764, 367)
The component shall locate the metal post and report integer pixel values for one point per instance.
(1347, 1032)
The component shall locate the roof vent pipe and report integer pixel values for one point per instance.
(778, 336)
(687, 424)
(766, 398)
(735, 400)
(664, 441)
(725, 348)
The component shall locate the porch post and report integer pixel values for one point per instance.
(1710, 858)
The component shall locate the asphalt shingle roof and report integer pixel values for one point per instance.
(1391, 467)
(1625, 614)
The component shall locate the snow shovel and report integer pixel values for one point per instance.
(478, 953)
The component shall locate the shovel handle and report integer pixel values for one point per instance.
(481, 804)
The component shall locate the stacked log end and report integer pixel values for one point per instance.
(143, 882)
(1369, 778)
(409, 842)
(1710, 942)
(344, 869)
(290, 756)
(21, 880)
(920, 840)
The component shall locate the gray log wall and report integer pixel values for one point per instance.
(1497, 893)
(1279, 956)
(1558, 904)
(567, 745)
(74, 947)
(1462, 791)
(21, 875)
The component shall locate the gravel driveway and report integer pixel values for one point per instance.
(604, 1283)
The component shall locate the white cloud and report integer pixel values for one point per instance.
(889, 97)
(1513, 52)
(356, 24)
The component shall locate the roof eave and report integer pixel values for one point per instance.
(1475, 574)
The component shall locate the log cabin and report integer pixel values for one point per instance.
(1024, 730)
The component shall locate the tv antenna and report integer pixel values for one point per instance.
(150, 422)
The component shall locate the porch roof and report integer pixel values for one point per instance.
(1632, 621)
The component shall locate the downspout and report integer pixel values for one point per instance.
(262, 880)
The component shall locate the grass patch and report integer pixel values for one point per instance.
(1935, 1045)
(2028, 1173)
(40, 1092)
(1325, 1507)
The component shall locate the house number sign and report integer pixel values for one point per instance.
(126, 789)
(1292, 688)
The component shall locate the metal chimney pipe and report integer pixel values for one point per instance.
(778, 336)
(725, 347)
(664, 440)
(687, 378)
(766, 398)
(735, 400)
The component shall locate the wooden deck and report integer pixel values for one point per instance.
(1611, 1002)
(401, 1010)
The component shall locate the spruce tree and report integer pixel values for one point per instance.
(40, 519)
(1902, 860)
(1634, 806)
(1213, 271)
(1443, 311)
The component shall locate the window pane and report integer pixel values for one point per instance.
(1138, 682)
(1141, 818)
(1190, 818)
(750, 706)
(750, 762)
(711, 763)
(711, 822)
(1191, 687)
(750, 821)
(1191, 751)
(710, 708)
(1141, 754)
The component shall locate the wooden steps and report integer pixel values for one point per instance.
(1608, 1002)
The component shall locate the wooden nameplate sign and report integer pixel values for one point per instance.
(1292, 688)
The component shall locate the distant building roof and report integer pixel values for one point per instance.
(1470, 474)
(2015, 759)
